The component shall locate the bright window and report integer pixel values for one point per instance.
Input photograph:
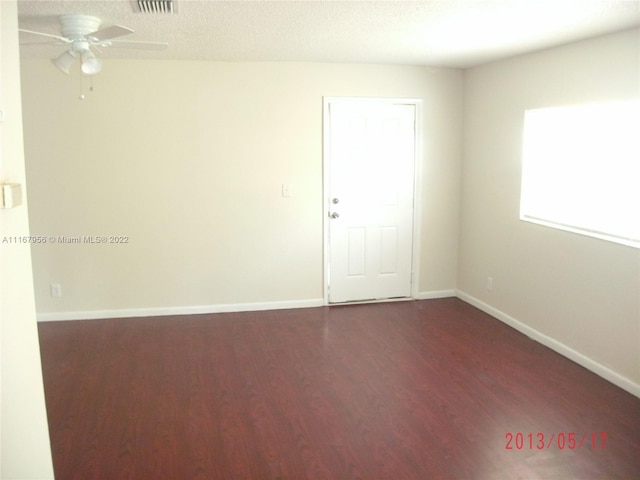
(581, 170)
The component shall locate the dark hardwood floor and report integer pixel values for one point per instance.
(430, 389)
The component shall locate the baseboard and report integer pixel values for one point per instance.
(558, 347)
(435, 294)
(188, 310)
(199, 309)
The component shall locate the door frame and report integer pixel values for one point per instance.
(417, 186)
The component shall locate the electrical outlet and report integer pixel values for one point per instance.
(56, 290)
(490, 284)
(287, 190)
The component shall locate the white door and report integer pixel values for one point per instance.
(370, 160)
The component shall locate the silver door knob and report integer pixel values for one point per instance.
(335, 200)
(334, 215)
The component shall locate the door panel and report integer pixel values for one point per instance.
(371, 158)
(356, 252)
(388, 250)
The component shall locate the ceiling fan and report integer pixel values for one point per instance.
(80, 33)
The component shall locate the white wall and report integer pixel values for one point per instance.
(578, 294)
(24, 438)
(187, 160)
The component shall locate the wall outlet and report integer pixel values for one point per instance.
(287, 190)
(56, 290)
(490, 284)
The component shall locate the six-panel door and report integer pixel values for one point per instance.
(371, 155)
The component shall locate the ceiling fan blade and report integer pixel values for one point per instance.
(42, 34)
(110, 32)
(140, 45)
(40, 44)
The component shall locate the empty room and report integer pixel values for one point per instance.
(192, 289)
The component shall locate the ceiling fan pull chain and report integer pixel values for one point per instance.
(81, 97)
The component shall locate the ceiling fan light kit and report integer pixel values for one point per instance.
(90, 64)
(65, 60)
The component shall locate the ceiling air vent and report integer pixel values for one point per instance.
(156, 6)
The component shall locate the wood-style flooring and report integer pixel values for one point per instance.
(415, 390)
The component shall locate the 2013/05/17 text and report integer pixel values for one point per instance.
(561, 440)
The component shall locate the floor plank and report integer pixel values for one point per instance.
(410, 390)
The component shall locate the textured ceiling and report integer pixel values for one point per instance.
(454, 33)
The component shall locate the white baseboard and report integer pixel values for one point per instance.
(559, 347)
(188, 310)
(199, 309)
(435, 294)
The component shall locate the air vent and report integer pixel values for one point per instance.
(156, 6)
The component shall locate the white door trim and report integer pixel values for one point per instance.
(417, 203)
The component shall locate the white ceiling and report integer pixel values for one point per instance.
(452, 33)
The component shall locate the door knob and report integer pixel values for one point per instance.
(335, 200)
(334, 215)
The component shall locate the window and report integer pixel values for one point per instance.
(581, 170)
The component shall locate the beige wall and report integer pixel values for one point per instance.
(24, 438)
(187, 160)
(580, 292)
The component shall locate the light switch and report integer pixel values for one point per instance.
(287, 190)
(55, 290)
(11, 195)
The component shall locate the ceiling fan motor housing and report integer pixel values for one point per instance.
(76, 27)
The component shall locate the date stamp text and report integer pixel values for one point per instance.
(560, 440)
